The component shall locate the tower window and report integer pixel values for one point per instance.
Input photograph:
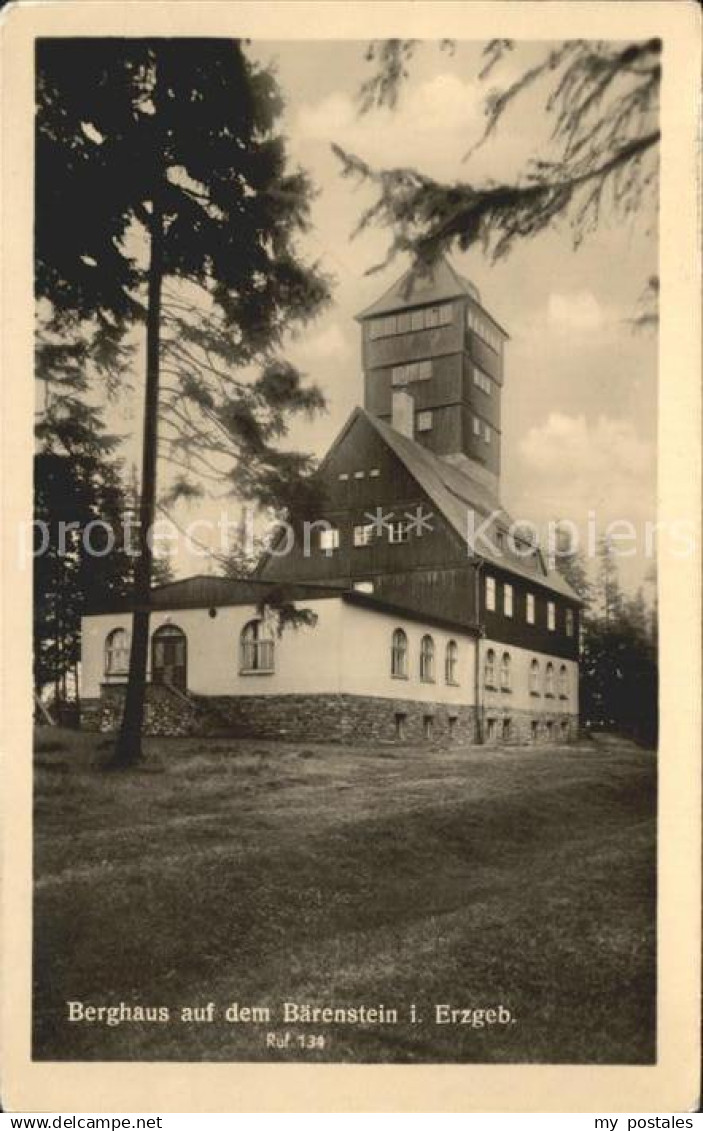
(530, 608)
(424, 421)
(482, 381)
(415, 371)
(508, 600)
(491, 594)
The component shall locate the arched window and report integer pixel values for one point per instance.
(490, 668)
(399, 655)
(427, 659)
(256, 648)
(505, 672)
(117, 652)
(549, 680)
(563, 682)
(534, 677)
(168, 656)
(451, 662)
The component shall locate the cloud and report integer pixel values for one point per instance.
(327, 343)
(578, 310)
(437, 119)
(568, 447)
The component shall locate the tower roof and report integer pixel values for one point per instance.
(419, 286)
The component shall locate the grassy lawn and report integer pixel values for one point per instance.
(263, 873)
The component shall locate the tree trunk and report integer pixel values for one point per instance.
(128, 749)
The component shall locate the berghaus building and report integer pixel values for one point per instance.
(421, 633)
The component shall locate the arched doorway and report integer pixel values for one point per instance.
(169, 656)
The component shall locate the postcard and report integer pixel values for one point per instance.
(351, 583)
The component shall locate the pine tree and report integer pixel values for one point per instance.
(160, 160)
(602, 99)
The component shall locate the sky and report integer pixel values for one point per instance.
(579, 402)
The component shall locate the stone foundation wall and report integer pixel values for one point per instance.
(165, 713)
(347, 719)
(330, 718)
(502, 726)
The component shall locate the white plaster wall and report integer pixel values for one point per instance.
(366, 659)
(307, 659)
(519, 698)
(348, 650)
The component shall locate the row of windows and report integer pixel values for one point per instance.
(427, 318)
(482, 380)
(169, 654)
(481, 428)
(508, 605)
(399, 658)
(484, 329)
(363, 534)
(373, 473)
(500, 676)
(414, 371)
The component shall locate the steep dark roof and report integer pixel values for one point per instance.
(420, 288)
(455, 493)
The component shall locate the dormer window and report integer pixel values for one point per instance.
(398, 531)
(329, 540)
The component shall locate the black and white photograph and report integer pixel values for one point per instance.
(345, 548)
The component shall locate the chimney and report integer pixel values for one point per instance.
(403, 412)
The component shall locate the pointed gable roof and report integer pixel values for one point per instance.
(420, 286)
(455, 493)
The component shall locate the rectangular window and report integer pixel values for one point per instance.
(363, 534)
(398, 531)
(427, 726)
(530, 608)
(446, 314)
(359, 474)
(403, 323)
(374, 472)
(569, 622)
(344, 475)
(551, 616)
(486, 434)
(477, 426)
(400, 726)
(424, 371)
(417, 320)
(399, 375)
(508, 600)
(424, 421)
(452, 721)
(432, 317)
(491, 594)
(329, 540)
